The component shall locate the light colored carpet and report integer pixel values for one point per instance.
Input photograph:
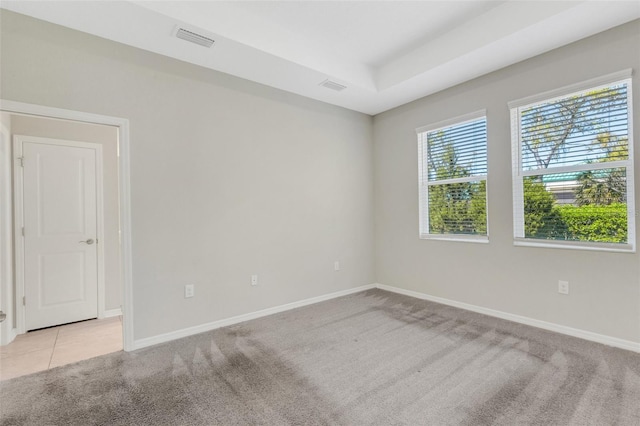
(372, 358)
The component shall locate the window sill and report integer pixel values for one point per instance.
(574, 245)
(456, 237)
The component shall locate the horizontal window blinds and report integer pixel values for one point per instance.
(458, 208)
(580, 129)
(457, 151)
(453, 179)
(574, 168)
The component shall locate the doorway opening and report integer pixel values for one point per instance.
(65, 251)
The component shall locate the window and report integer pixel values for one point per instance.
(573, 166)
(453, 179)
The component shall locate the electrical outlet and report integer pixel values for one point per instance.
(254, 280)
(189, 290)
(336, 265)
(563, 287)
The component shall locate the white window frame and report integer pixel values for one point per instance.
(518, 174)
(423, 184)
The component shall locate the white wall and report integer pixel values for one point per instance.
(228, 178)
(605, 287)
(106, 136)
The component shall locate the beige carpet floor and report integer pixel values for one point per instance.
(372, 358)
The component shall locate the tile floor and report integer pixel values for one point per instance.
(52, 347)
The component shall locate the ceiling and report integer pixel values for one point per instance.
(386, 53)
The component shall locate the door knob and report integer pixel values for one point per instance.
(89, 241)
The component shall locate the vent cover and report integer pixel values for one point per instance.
(194, 37)
(333, 85)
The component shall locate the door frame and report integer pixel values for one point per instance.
(7, 298)
(124, 193)
(19, 241)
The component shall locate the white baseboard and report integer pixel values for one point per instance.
(185, 332)
(582, 334)
(113, 312)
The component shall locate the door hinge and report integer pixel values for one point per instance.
(21, 159)
(24, 301)
(23, 231)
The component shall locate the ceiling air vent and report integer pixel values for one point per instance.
(333, 85)
(194, 37)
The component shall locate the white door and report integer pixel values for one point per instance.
(60, 266)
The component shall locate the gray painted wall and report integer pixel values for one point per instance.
(106, 136)
(605, 287)
(228, 178)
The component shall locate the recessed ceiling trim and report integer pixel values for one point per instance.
(372, 89)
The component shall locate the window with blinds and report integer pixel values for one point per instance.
(453, 178)
(573, 168)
